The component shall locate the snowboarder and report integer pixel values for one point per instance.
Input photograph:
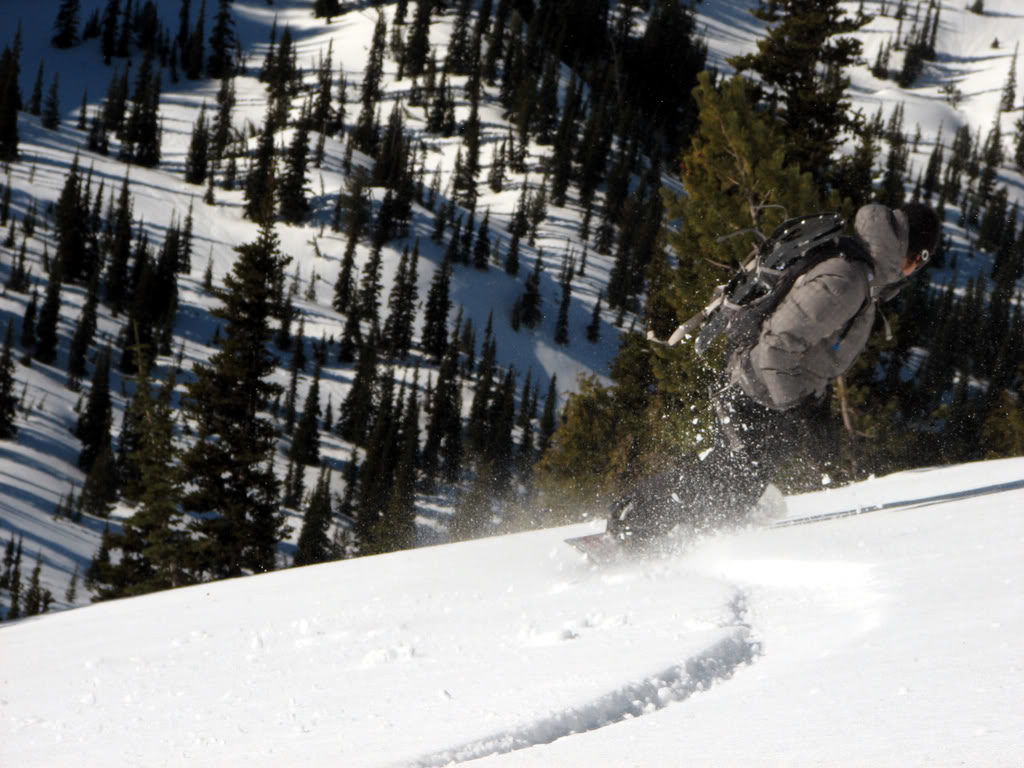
(773, 394)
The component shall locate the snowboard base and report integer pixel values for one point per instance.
(600, 548)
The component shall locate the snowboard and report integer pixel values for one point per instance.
(600, 548)
(604, 548)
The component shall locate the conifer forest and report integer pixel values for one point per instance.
(291, 281)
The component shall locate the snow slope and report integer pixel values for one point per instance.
(889, 638)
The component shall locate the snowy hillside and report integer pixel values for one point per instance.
(38, 469)
(884, 639)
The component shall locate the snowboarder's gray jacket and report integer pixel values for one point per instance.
(823, 323)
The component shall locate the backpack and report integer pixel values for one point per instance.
(796, 245)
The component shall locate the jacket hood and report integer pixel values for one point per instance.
(887, 235)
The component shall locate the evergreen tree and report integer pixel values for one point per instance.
(84, 332)
(222, 43)
(51, 110)
(314, 546)
(562, 323)
(142, 131)
(438, 307)
(197, 159)
(35, 101)
(261, 183)
(65, 30)
(294, 206)
(357, 409)
(8, 397)
(108, 35)
(152, 542)
(530, 312)
(49, 316)
(93, 429)
(801, 63)
(192, 54)
(10, 99)
(220, 132)
(232, 486)
(306, 440)
(28, 323)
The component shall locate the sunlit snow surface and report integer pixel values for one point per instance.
(888, 638)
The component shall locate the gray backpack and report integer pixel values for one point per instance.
(752, 295)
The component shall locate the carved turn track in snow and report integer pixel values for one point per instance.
(675, 684)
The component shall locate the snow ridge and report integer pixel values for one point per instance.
(716, 663)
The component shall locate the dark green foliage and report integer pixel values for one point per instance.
(84, 332)
(8, 397)
(313, 545)
(231, 481)
(27, 338)
(222, 43)
(93, 429)
(438, 307)
(198, 157)
(801, 63)
(10, 99)
(294, 206)
(35, 101)
(142, 131)
(192, 52)
(108, 36)
(306, 440)
(65, 28)
(357, 410)
(153, 544)
(220, 133)
(398, 327)
(49, 316)
(261, 183)
(51, 110)
(530, 305)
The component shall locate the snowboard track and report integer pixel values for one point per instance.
(714, 664)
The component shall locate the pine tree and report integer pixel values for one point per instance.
(93, 429)
(530, 313)
(261, 183)
(438, 306)
(357, 409)
(8, 397)
(1009, 97)
(801, 63)
(35, 101)
(305, 448)
(49, 316)
(142, 130)
(562, 323)
(65, 32)
(232, 484)
(152, 542)
(313, 545)
(222, 43)
(72, 226)
(51, 111)
(294, 206)
(10, 99)
(197, 159)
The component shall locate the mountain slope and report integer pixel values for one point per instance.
(883, 639)
(38, 469)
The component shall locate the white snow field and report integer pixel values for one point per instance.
(889, 638)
